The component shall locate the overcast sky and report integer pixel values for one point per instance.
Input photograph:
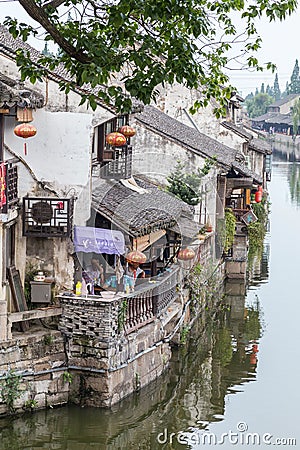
(280, 45)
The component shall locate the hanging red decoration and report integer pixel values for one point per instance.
(186, 254)
(60, 206)
(116, 139)
(25, 130)
(136, 257)
(127, 131)
(258, 194)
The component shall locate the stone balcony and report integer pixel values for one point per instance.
(104, 319)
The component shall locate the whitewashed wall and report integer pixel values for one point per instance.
(60, 152)
(177, 100)
(156, 157)
(59, 156)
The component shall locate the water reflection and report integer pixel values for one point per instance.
(294, 183)
(221, 358)
(290, 154)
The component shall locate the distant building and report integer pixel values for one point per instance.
(278, 118)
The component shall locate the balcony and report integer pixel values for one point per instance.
(103, 319)
(120, 164)
(9, 186)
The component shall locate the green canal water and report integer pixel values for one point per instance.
(236, 383)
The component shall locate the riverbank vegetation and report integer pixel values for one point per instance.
(258, 229)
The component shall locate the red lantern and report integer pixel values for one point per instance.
(127, 131)
(136, 257)
(25, 130)
(186, 254)
(116, 139)
(258, 194)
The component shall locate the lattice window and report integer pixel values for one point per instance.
(12, 184)
(47, 217)
(8, 185)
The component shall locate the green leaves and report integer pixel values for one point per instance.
(10, 389)
(257, 105)
(186, 186)
(145, 43)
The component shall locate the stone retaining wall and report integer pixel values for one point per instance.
(40, 361)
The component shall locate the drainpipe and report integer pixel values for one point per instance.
(191, 120)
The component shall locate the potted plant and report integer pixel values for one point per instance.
(202, 233)
(208, 226)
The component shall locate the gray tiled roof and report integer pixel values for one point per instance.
(264, 117)
(284, 100)
(13, 92)
(191, 139)
(9, 46)
(157, 121)
(260, 146)
(285, 119)
(274, 118)
(141, 213)
(237, 129)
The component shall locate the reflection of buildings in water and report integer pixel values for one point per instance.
(286, 151)
(191, 394)
(258, 272)
(294, 183)
(290, 154)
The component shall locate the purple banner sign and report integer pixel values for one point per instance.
(98, 240)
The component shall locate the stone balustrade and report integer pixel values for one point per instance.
(104, 319)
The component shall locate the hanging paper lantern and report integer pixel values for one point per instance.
(186, 254)
(25, 130)
(116, 139)
(127, 131)
(258, 194)
(136, 257)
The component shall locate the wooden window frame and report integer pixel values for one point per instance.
(102, 151)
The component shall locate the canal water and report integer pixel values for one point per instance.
(236, 383)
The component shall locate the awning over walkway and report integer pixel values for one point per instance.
(98, 240)
(143, 242)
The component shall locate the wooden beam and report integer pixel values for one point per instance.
(38, 313)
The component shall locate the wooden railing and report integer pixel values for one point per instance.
(121, 165)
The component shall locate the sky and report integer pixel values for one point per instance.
(280, 45)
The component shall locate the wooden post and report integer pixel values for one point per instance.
(3, 320)
(1, 138)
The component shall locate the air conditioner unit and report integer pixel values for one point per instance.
(47, 217)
